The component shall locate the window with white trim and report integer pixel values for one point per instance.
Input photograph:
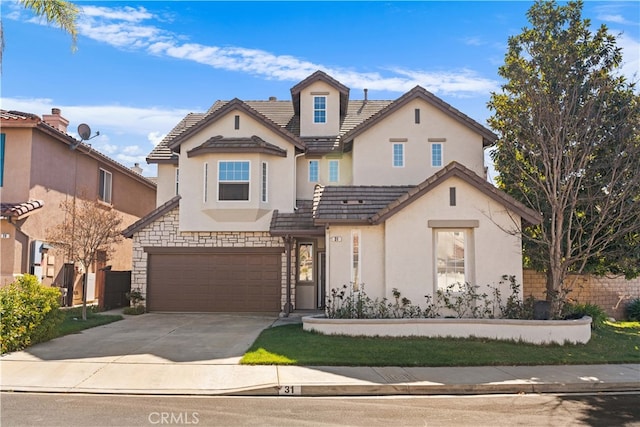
(305, 262)
(451, 251)
(263, 195)
(398, 155)
(205, 182)
(104, 189)
(436, 155)
(319, 109)
(356, 277)
(334, 170)
(314, 170)
(233, 180)
(177, 180)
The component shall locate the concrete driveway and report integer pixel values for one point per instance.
(157, 338)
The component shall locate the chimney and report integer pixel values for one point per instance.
(366, 92)
(56, 120)
(137, 169)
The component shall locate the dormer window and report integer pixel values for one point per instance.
(319, 109)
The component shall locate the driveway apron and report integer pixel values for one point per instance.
(157, 338)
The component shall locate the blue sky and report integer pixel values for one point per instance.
(140, 66)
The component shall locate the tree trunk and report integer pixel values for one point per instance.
(555, 279)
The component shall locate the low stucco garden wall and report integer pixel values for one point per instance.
(577, 331)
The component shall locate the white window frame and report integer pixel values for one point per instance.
(320, 110)
(400, 145)
(105, 190)
(337, 177)
(466, 256)
(205, 182)
(317, 171)
(247, 181)
(177, 181)
(356, 264)
(433, 162)
(264, 189)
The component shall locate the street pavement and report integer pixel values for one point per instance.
(185, 354)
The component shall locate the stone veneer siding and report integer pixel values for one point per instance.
(164, 232)
(611, 294)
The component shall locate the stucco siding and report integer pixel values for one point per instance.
(373, 155)
(492, 251)
(305, 188)
(166, 181)
(332, 125)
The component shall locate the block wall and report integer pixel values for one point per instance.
(610, 293)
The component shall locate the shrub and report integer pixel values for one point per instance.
(579, 310)
(633, 309)
(30, 313)
(135, 310)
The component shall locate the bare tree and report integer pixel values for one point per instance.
(569, 146)
(90, 227)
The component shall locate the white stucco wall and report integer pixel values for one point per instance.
(400, 253)
(304, 188)
(166, 183)
(196, 214)
(372, 150)
(332, 125)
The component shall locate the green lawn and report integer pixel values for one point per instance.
(73, 322)
(290, 345)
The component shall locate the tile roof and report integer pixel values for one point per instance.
(20, 210)
(298, 223)
(162, 153)
(254, 144)
(279, 113)
(353, 204)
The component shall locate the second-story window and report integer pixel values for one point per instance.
(233, 180)
(319, 109)
(398, 155)
(334, 170)
(436, 155)
(314, 171)
(104, 189)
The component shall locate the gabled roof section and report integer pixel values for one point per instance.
(455, 169)
(488, 137)
(20, 210)
(234, 104)
(353, 204)
(151, 216)
(162, 153)
(299, 223)
(10, 119)
(323, 77)
(220, 144)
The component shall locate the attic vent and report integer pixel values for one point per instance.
(353, 202)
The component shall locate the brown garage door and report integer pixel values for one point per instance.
(214, 280)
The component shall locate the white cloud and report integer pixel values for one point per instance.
(618, 19)
(155, 137)
(132, 28)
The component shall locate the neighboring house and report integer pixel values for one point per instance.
(42, 166)
(267, 205)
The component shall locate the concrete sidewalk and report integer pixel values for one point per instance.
(147, 355)
(231, 379)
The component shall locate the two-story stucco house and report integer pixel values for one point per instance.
(267, 205)
(42, 166)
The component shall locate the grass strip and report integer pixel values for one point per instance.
(290, 345)
(73, 322)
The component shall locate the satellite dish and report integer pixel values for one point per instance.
(84, 131)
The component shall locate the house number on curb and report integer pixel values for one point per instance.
(290, 390)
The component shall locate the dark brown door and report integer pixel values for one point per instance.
(233, 281)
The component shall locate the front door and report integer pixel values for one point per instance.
(306, 276)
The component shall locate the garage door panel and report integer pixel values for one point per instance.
(214, 282)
